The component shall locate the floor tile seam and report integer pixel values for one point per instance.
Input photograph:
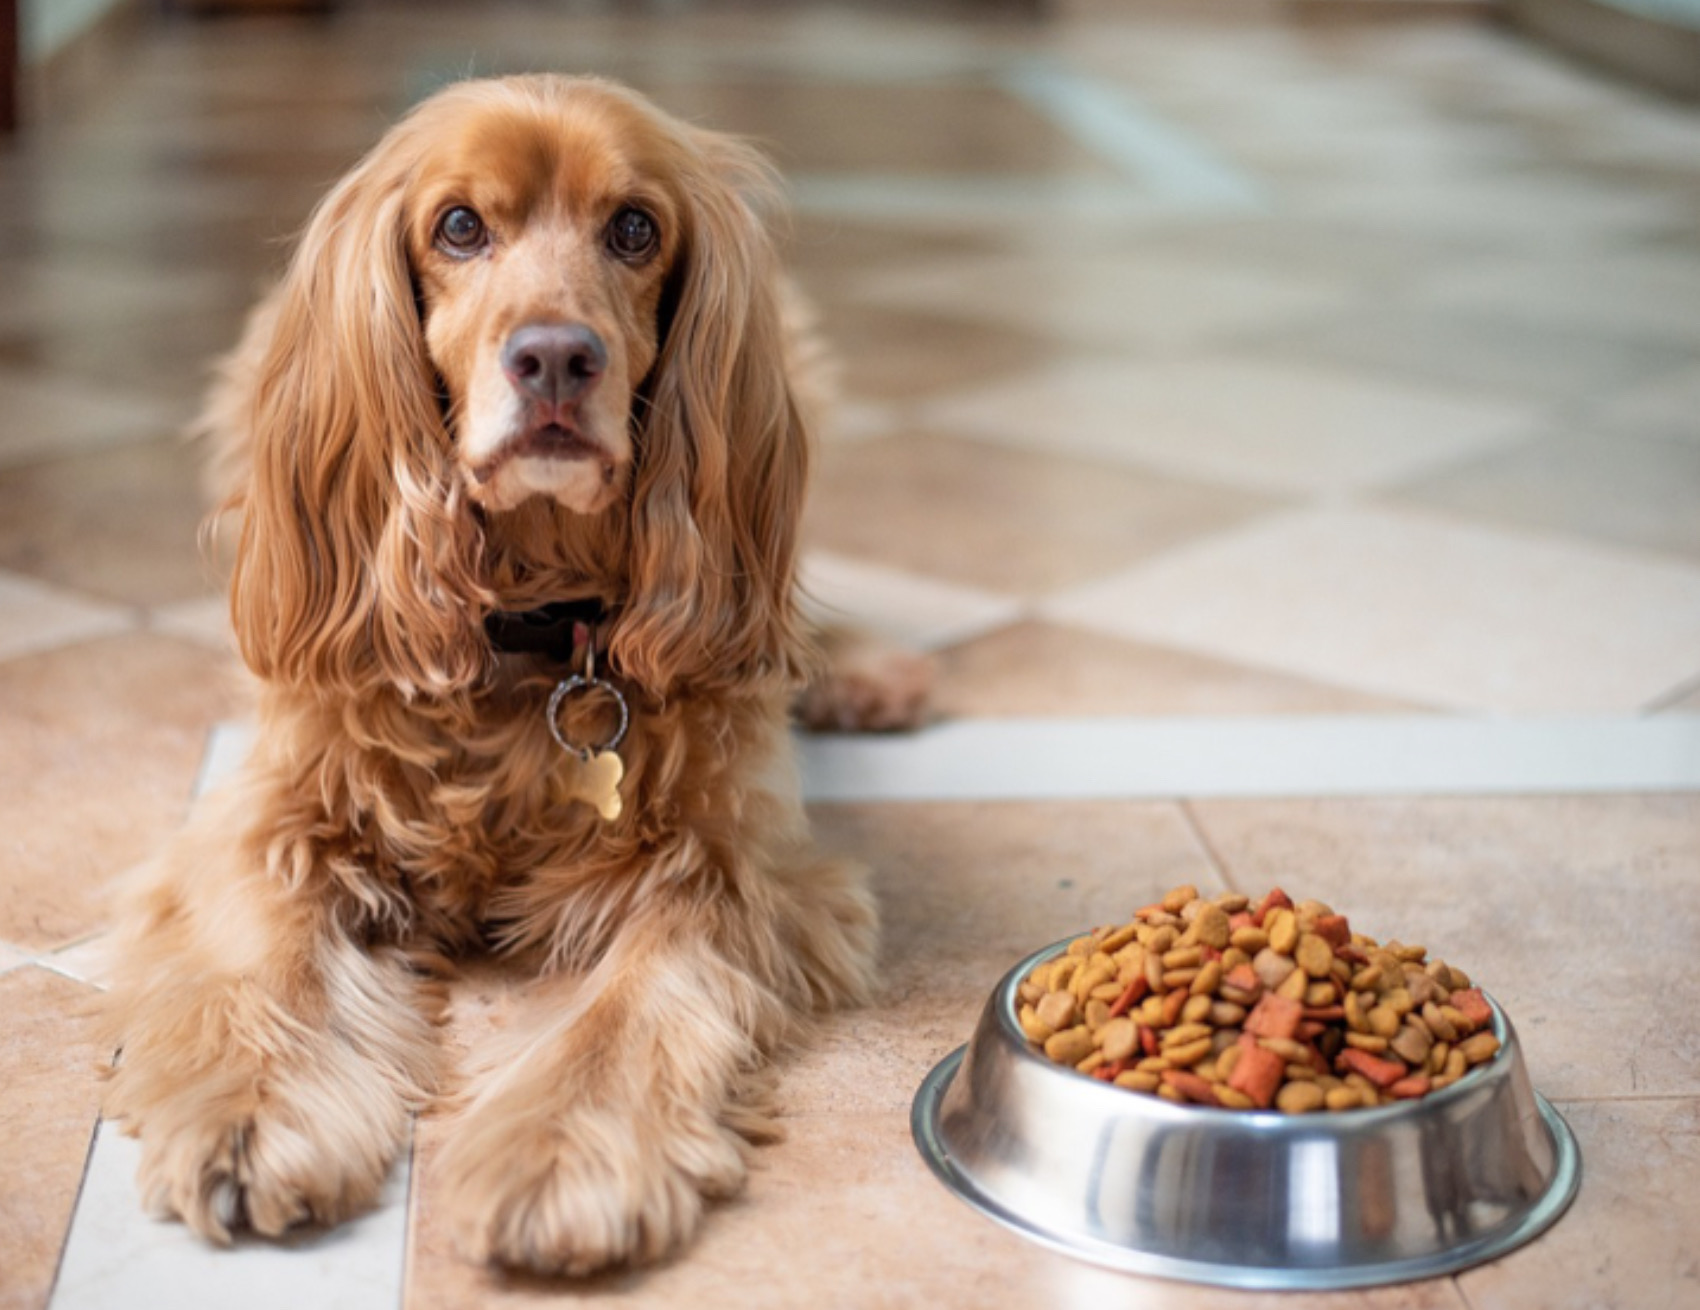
(1650, 1098)
(76, 1204)
(1189, 815)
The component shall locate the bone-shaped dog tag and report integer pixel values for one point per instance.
(590, 774)
(595, 780)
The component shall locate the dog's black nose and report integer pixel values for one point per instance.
(554, 362)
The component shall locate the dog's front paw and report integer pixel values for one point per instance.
(263, 1163)
(581, 1189)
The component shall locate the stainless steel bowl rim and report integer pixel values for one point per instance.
(924, 1123)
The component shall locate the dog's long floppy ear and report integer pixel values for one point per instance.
(355, 564)
(722, 452)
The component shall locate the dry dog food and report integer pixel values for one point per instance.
(1244, 1005)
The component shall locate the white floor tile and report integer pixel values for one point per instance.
(1667, 407)
(11, 957)
(1301, 755)
(205, 621)
(88, 961)
(36, 617)
(1642, 294)
(920, 613)
(1282, 428)
(1417, 607)
(117, 1258)
(49, 417)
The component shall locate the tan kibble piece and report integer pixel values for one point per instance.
(1283, 929)
(1212, 927)
(1482, 1046)
(1294, 985)
(1314, 955)
(1300, 1098)
(1069, 1047)
(1057, 1011)
(1118, 1038)
(1178, 899)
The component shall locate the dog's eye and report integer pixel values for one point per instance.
(461, 231)
(632, 234)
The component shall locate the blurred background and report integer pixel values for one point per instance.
(1315, 368)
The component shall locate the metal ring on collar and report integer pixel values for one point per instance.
(580, 683)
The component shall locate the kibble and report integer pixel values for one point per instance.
(1256, 1005)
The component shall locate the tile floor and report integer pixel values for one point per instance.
(1269, 405)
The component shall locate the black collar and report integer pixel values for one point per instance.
(546, 630)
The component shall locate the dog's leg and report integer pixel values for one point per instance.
(619, 1100)
(268, 1061)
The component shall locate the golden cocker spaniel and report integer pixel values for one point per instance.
(521, 461)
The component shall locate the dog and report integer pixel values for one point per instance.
(520, 445)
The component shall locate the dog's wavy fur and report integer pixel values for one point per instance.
(274, 997)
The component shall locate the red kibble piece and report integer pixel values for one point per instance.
(1274, 1016)
(1333, 929)
(1131, 997)
(1383, 1073)
(1470, 1003)
(1191, 1086)
(1257, 1073)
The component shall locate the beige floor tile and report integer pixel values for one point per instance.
(966, 892)
(1509, 890)
(1113, 302)
(1425, 608)
(38, 617)
(1006, 520)
(1036, 668)
(817, 125)
(48, 416)
(845, 1214)
(1626, 490)
(893, 355)
(88, 292)
(103, 743)
(48, 1098)
(120, 524)
(1627, 1239)
(1242, 422)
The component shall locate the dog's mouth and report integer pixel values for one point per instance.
(547, 441)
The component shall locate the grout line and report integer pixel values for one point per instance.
(1665, 700)
(1207, 846)
(407, 1204)
(1625, 1100)
(76, 1204)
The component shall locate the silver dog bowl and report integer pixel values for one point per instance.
(1244, 1198)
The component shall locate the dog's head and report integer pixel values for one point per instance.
(538, 301)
